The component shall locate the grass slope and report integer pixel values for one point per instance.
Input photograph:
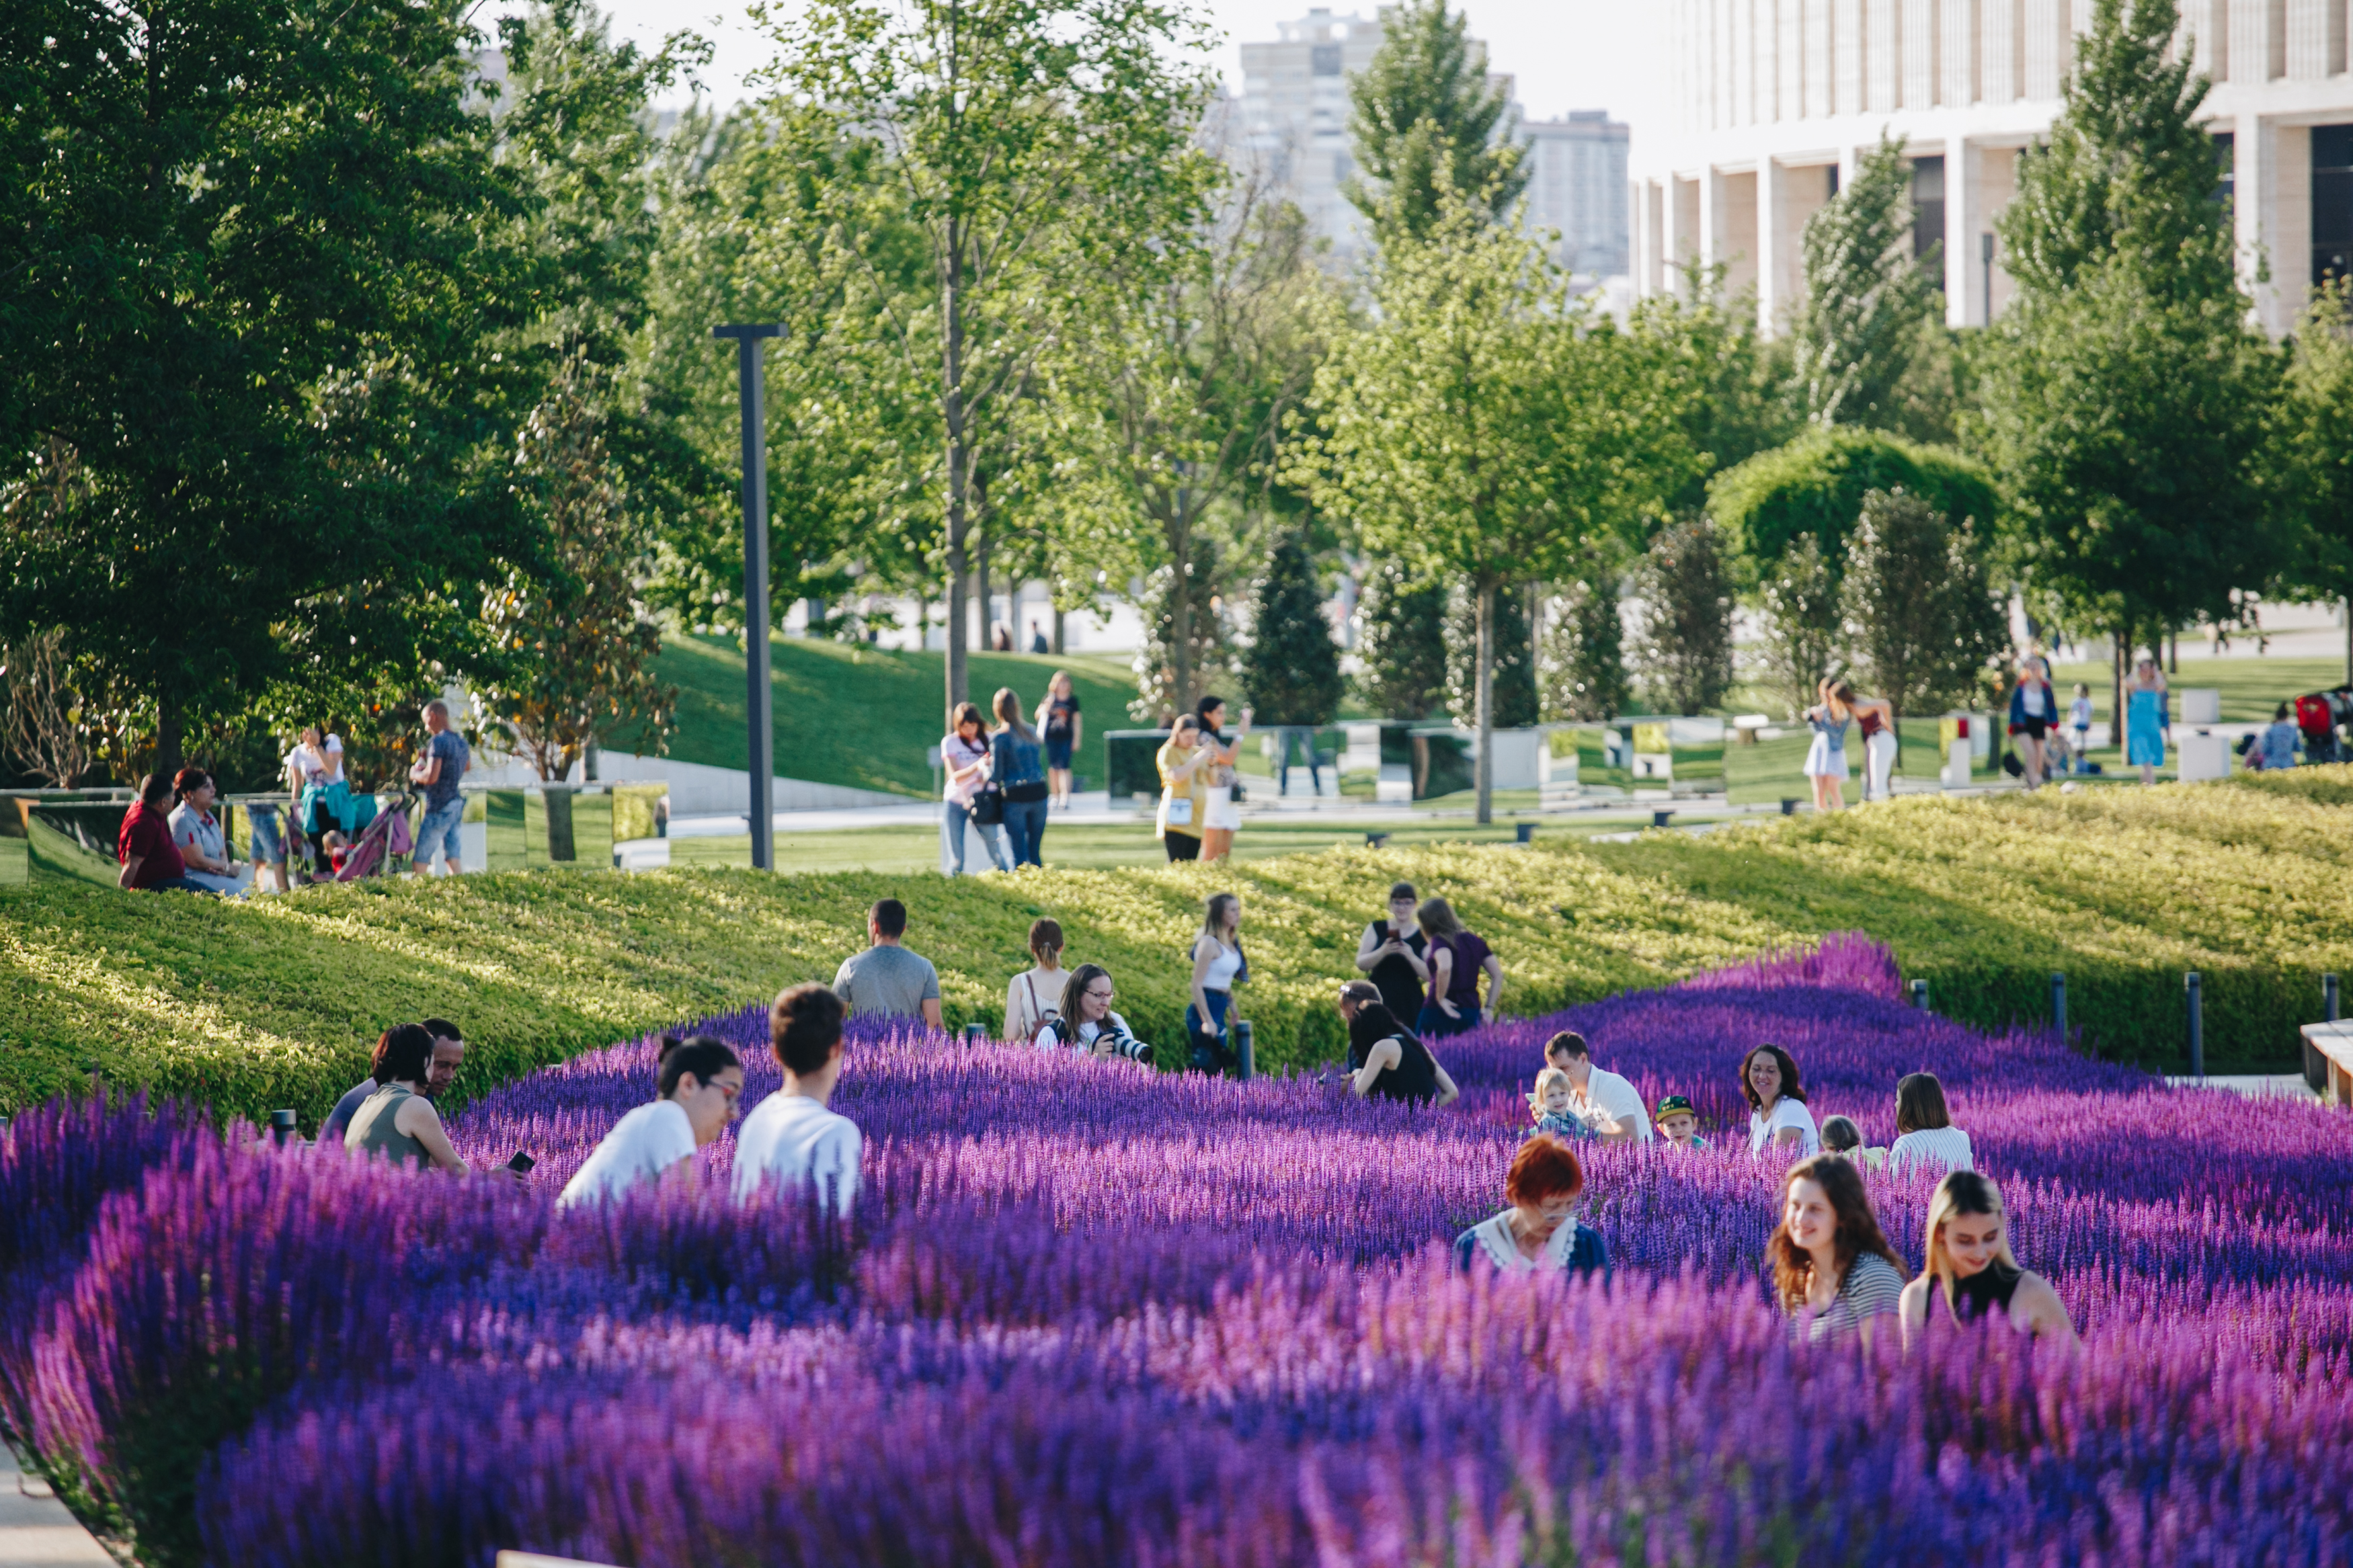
(864, 717)
(273, 1003)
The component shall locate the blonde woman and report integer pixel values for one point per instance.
(1218, 967)
(1059, 723)
(1183, 765)
(1826, 758)
(1973, 1272)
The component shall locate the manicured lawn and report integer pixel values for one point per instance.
(863, 716)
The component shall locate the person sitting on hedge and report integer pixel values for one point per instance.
(398, 1120)
(1539, 1233)
(151, 861)
(448, 1055)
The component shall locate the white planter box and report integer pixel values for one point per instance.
(2204, 755)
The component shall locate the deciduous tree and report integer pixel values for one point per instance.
(1682, 655)
(1917, 608)
(1867, 299)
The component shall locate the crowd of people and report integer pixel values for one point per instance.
(1003, 779)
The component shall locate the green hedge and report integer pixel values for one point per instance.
(2124, 890)
(273, 1002)
(1816, 485)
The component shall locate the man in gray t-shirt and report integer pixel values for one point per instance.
(886, 980)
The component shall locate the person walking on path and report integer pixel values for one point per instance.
(1184, 764)
(794, 1139)
(1876, 717)
(1016, 762)
(1059, 722)
(1539, 1233)
(1607, 1103)
(151, 861)
(1832, 1268)
(1971, 1273)
(886, 980)
(2147, 725)
(1218, 967)
(1826, 756)
(1225, 814)
(697, 1084)
(963, 758)
(1925, 1133)
(1396, 954)
(1777, 1115)
(2034, 714)
(439, 768)
(1034, 995)
(1457, 958)
(1392, 1063)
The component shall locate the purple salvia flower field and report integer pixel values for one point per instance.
(1089, 1315)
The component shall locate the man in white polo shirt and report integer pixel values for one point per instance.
(1600, 1098)
(791, 1139)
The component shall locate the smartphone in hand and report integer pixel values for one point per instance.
(522, 1164)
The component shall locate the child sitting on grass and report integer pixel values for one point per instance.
(1678, 1121)
(1841, 1136)
(1549, 1105)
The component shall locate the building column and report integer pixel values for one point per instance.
(1965, 227)
(1773, 296)
(2255, 200)
(1676, 240)
(1715, 247)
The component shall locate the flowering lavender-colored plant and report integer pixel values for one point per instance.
(1088, 1314)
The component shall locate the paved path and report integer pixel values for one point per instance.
(2256, 1085)
(35, 1531)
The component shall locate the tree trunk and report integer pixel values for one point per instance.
(987, 631)
(2348, 642)
(170, 741)
(1486, 683)
(2116, 689)
(2173, 652)
(1058, 643)
(1180, 604)
(959, 462)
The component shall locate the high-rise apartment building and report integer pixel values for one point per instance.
(1289, 128)
(1772, 100)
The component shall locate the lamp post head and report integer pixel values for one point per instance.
(750, 330)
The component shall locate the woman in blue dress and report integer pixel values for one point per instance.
(1826, 758)
(2147, 723)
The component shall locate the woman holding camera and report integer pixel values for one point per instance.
(1086, 1022)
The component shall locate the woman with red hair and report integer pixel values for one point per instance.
(1539, 1233)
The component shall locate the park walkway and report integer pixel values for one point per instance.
(35, 1531)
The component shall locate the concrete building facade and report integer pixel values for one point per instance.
(1577, 185)
(1772, 100)
(1290, 124)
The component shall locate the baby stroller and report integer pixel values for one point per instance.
(2320, 715)
(385, 837)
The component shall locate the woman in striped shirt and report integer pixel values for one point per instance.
(1832, 1268)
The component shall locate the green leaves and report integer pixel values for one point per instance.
(1426, 120)
(1867, 300)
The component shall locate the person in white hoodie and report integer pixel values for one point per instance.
(792, 1139)
(699, 1080)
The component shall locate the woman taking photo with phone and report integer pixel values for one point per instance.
(963, 757)
(1183, 765)
(1225, 814)
(1218, 967)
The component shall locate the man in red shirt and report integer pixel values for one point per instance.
(151, 861)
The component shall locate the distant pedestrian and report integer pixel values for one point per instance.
(1971, 1273)
(440, 1071)
(437, 769)
(2147, 722)
(1218, 967)
(196, 833)
(793, 1139)
(2079, 725)
(1605, 1101)
(151, 861)
(1037, 641)
(1396, 954)
(1457, 958)
(398, 1119)
(2034, 714)
(1826, 763)
(1925, 1133)
(1016, 765)
(1539, 1233)
(1185, 764)
(1059, 722)
(1035, 994)
(886, 980)
(1392, 1063)
(265, 829)
(1225, 814)
(1875, 717)
(323, 795)
(697, 1084)
(1832, 1268)
(963, 758)
(1778, 1115)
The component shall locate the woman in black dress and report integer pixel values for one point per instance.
(1396, 1065)
(1972, 1274)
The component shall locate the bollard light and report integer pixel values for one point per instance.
(2329, 995)
(2059, 1006)
(1920, 995)
(1245, 1051)
(281, 1127)
(2197, 1028)
(1526, 831)
(974, 1033)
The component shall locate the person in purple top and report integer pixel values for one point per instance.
(1456, 958)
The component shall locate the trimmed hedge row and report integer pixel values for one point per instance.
(273, 1002)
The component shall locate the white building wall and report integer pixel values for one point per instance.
(1777, 92)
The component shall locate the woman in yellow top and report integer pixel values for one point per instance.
(1185, 767)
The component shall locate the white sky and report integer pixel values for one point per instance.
(1564, 54)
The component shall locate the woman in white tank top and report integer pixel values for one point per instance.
(1218, 967)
